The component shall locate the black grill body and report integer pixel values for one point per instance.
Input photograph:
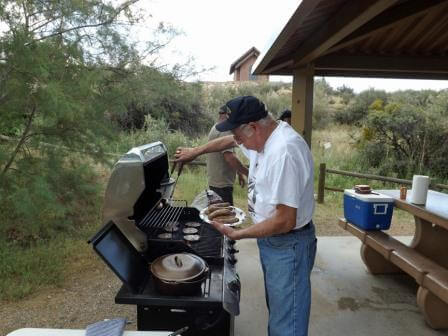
(137, 210)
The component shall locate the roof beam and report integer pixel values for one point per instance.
(281, 64)
(382, 64)
(369, 74)
(389, 18)
(350, 17)
(381, 74)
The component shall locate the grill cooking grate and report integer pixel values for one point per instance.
(159, 218)
(177, 213)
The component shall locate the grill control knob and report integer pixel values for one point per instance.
(234, 285)
(232, 260)
(232, 250)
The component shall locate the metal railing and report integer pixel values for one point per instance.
(192, 163)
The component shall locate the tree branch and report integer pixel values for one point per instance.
(93, 25)
(45, 23)
(21, 141)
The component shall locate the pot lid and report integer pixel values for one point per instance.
(178, 267)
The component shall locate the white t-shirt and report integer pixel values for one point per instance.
(283, 173)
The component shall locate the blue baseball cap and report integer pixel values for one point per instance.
(242, 110)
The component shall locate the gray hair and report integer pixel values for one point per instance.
(263, 122)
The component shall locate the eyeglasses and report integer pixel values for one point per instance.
(245, 133)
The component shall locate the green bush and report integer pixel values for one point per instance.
(358, 108)
(153, 130)
(41, 198)
(402, 140)
(322, 109)
(162, 96)
(346, 93)
(276, 96)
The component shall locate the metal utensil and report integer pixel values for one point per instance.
(179, 332)
(173, 167)
(179, 171)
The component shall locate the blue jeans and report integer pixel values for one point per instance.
(287, 261)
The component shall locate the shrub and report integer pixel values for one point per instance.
(322, 111)
(153, 130)
(46, 197)
(403, 140)
(358, 108)
(162, 96)
(276, 96)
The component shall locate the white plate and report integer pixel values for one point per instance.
(238, 214)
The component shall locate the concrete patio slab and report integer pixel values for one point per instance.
(347, 300)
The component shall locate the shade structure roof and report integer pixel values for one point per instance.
(363, 38)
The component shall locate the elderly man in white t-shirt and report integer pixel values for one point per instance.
(281, 204)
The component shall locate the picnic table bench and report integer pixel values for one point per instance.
(425, 259)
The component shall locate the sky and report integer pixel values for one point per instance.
(217, 33)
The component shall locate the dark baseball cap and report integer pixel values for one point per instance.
(242, 110)
(285, 114)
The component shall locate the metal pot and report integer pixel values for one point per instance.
(179, 273)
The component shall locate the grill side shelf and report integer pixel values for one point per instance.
(121, 257)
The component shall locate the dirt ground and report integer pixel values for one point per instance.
(87, 295)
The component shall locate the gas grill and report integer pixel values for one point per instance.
(138, 209)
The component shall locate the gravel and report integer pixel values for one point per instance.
(86, 297)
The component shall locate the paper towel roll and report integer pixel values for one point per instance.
(420, 185)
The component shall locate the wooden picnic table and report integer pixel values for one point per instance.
(425, 258)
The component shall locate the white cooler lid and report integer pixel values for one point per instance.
(372, 197)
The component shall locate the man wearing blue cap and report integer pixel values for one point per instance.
(222, 167)
(281, 204)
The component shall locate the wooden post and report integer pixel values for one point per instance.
(302, 101)
(321, 185)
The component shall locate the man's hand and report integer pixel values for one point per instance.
(225, 230)
(241, 179)
(185, 154)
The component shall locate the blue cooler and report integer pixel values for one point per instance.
(368, 211)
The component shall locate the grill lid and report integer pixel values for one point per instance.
(138, 181)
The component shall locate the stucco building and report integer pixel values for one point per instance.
(242, 67)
